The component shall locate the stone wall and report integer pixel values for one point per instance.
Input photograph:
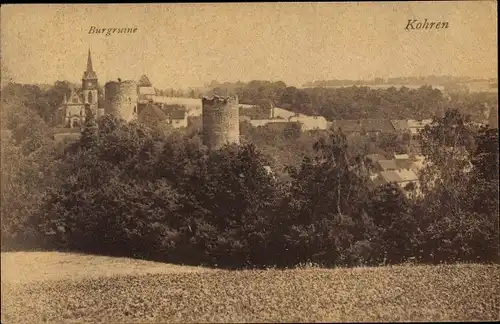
(220, 121)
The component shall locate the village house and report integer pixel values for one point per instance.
(158, 115)
(178, 118)
(309, 123)
(387, 165)
(409, 131)
(280, 113)
(401, 170)
(152, 114)
(406, 180)
(374, 158)
(370, 127)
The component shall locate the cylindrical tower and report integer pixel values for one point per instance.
(221, 124)
(121, 99)
(111, 98)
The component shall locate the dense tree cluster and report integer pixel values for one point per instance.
(128, 189)
(360, 102)
(43, 101)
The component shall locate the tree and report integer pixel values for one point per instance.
(457, 224)
(289, 96)
(485, 158)
(333, 154)
(396, 229)
(447, 145)
(485, 183)
(28, 171)
(239, 196)
(55, 97)
(28, 129)
(90, 130)
(324, 206)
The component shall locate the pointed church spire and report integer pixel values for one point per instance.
(89, 74)
(89, 63)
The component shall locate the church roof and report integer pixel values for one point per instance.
(144, 82)
(89, 75)
(152, 112)
(74, 98)
(177, 114)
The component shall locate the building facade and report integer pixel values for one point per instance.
(73, 111)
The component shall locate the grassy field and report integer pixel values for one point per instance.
(58, 287)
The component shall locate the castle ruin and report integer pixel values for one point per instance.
(123, 99)
(120, 99)
(221, 124)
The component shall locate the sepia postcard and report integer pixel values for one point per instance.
(249, 162)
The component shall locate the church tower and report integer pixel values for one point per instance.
(89, 86)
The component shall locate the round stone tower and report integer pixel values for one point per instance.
(221, 124)
(120, 99)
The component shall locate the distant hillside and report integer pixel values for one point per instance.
(408, 81)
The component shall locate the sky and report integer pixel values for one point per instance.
(183, 45)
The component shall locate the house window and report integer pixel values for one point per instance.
(90, 97)
(135, 109)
